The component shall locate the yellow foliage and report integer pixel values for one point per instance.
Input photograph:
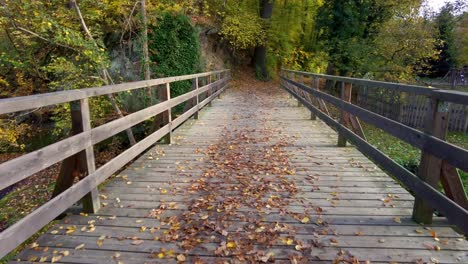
(243, 31)
(10, 132)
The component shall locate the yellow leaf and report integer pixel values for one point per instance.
(161, 255)
(163, 191)
(142, 229)
(65, 253)
(305, 220)
(43, 259)
(203, 217)
(231, 244)
(99, 242)
(397, 220)
(289, 241)
(55, 259)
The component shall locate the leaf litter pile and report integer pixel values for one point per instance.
(243, 198)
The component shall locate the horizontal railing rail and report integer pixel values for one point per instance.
(16, 104)
(438, 156)
(25, 166)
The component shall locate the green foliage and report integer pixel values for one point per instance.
(348, 28)
(174, 49)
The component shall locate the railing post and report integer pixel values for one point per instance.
(81, 163)
(168, 116)
(344, 95)
(210, 90)
(313, 85)
(430, 167)
(220, 85)
(300, 92)
(91, 203)
(195, 116)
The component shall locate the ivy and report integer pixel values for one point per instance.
(174, 49)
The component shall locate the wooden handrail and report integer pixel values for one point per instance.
(432, 144)
(16, 104)
(22, 167)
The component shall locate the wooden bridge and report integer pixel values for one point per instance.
(249, 179)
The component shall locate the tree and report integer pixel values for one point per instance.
(402, 48)
(347, 29)
(446, 22)
(260, 53)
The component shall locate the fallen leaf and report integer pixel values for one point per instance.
(80, 246)
(34, 245)
(181, 258)
(305, 220)
(419, 231)
(137, 242)
(55, 259)
(397, 220)
(231, 244)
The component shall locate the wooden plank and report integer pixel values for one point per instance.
(421, 189)
(16, 104)
(439, 148)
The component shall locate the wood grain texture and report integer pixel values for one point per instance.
(347, 186)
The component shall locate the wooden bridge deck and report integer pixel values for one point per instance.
(254, 179)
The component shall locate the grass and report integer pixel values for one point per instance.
(407, 155)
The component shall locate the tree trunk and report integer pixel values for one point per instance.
(259, 58)
(145, 44)
(105, 74)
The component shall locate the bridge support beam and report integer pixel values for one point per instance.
(430, 166)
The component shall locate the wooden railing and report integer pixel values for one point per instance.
(438, 160)
(22, 167)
